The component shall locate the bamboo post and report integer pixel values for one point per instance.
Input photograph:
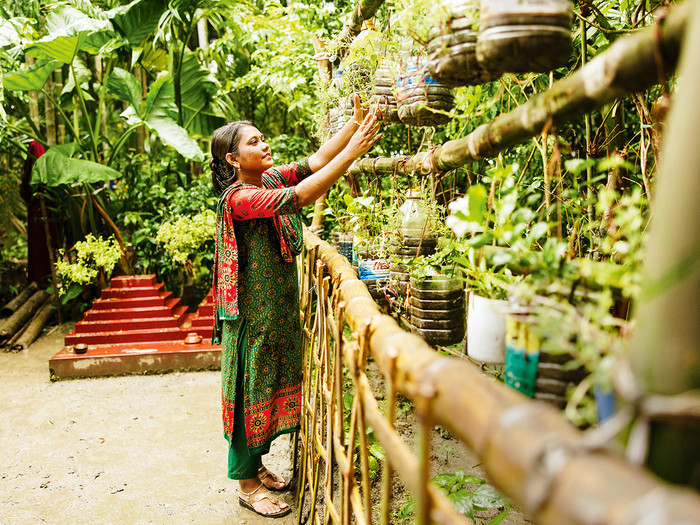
(666, 343)
(324, 69)
(629, 65)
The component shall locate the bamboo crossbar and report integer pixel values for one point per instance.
(529, 451)
(628, 66)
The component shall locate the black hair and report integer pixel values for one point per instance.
(225, 140)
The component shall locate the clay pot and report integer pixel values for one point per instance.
(523, 36)
(452, 48)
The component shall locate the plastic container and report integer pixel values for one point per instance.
(414, 215)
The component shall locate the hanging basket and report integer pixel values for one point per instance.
(383, 97)
(422, 101)
(452, 48)
(523, 36)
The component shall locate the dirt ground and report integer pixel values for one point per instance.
(143, 449)
(116, 450)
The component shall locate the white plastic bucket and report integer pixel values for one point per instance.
(486, 329)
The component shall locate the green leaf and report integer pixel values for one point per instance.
(56, 169)
(69, 32)
(487, 497)
(462, 501)
(499, 518)
(160, 100)
(124, 86)
(177, 137)
(477, 202)
(377, 451)
(138, 19)
(32, 79)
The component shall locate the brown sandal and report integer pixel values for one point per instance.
(263, 474)
(257, 498)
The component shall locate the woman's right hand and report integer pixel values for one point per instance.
(365, 136)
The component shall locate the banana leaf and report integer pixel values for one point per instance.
(31, 79)
(138, 19)
(57, 168)
(69, 31)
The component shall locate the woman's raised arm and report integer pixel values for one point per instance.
(359, 143)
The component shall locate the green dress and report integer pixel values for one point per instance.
(261, 368)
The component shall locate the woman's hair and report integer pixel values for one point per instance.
(225, 140)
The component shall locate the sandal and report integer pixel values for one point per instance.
(257, 498)
(263, 474)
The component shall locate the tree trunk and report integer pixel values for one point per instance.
(33, 98)
(666, 343)
(50, 113)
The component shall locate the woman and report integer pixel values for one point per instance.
(256, 301)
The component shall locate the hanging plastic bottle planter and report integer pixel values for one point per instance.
(523, 36)
(452, 47)
(422, 101)
(383, 97)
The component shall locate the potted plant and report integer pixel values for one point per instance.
(523, 36)
(452, 45)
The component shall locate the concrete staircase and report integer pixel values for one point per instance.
(137, 327)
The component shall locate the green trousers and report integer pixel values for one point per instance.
(241, 463)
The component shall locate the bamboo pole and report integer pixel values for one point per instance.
(364, 10)
(17, 320)
(629, 65)
(18, 301)
(666, 344)
(33, 328)
(530, 453)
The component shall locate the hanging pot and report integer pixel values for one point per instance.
(523, 36)
(535, 373)
(383, 96)
(486, 329)
(444, 322)
(452, 48)
(422, 101)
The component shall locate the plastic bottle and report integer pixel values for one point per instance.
(414, 215)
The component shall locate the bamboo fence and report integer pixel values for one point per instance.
(552, 471)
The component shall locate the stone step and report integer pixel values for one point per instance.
(129, 336)
(131, 302)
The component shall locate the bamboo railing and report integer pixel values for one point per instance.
(553, 472)
(550, 470)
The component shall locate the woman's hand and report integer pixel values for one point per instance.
(359, 114)
(364, 137)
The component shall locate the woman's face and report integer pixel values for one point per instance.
(253, 152)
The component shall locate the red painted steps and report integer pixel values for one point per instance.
(137, 327)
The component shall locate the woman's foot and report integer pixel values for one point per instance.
(271, 480)
(260, 500)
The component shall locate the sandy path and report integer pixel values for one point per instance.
(116, 450)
